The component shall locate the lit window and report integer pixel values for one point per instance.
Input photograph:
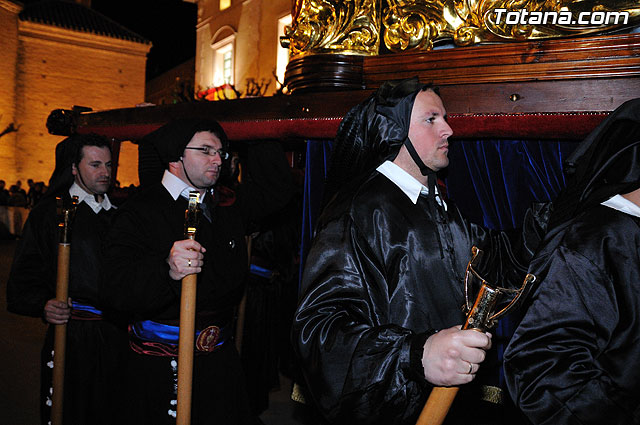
(224, 4)
(227, 66)
(283, 53)
(223, 62)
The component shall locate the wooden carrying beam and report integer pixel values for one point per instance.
(573, 126)
(551, 89)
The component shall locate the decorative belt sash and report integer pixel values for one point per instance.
(157, 339)
(81, 311)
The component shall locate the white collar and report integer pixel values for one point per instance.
(177, 187)
(622, 204)
(406, 182)
(89, 199)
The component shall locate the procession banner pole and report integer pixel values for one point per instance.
(65, 218)
(481, 317)
(186, 337)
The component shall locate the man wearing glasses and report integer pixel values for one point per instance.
(147, 256)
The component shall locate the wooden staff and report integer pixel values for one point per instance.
(65, 218)
(187, 321)
(481, 317)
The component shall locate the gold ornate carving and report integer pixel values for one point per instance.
(417, 24)
(355, 26)
(334, 26)
(414, 24)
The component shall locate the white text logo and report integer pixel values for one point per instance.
(524, 17)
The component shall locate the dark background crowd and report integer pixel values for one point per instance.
(17, 196)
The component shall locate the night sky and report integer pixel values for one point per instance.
(169, 24)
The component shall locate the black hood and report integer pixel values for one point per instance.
(372, 132)
(166, 144)
(605, 164)
(62, 177)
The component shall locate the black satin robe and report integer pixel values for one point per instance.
(575, 357)
(382, 275)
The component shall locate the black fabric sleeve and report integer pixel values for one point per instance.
(32, 279)
(560, 365)
(136, 272)
(359, 366)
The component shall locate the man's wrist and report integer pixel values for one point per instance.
(416, 353)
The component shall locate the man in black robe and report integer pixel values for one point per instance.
(147, 256)
(575, 356)
(95, 345)
(379, 320)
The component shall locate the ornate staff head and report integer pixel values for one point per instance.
(481, 314)
(66, 211)
(192, 215)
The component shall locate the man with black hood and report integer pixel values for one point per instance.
(575, 356)
(379, 320)
(147, 256)
(95, 345)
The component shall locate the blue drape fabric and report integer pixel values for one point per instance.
(318, 156)
(494, 182)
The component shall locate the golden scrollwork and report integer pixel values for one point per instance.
(414, 25)
(418, 24)
(356, 26)
(334, 26)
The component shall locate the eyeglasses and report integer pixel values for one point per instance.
(210, 151)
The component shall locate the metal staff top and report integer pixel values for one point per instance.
(66, 211)
(481, 314)
(192, 215)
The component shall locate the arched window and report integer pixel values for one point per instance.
(223, 44)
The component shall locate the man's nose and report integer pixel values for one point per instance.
(447, 131)
(105, 171)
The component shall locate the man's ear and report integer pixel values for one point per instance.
(74, 170)
(174, 165)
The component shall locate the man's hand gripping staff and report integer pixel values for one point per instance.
(480, 318)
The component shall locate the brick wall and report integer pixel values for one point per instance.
(60, 68)
(8, 57)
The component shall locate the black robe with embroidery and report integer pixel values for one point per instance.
(382, 275)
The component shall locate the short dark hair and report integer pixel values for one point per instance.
(432, 87)
(90, 139)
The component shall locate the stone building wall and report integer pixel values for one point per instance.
(255, 23)
(8, 57)
(59, 68)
